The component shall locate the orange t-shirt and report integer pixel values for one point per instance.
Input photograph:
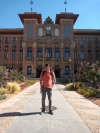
(47, 79)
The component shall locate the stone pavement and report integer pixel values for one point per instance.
(72, 113)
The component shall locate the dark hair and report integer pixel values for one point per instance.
(46, 65)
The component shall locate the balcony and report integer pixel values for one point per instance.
(67, 59)
(29, 59)
(48, 59)
(57, 59)
(39, 59)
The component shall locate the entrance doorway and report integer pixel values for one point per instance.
(38, 71)
(57, 73)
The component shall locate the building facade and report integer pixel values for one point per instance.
(27, 49)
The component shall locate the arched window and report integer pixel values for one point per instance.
(67, 52)
(89, 40)
(75, 54)
(21, 53)
(39, 53)
(74, 40)
(56, 31)
(29, 52)
(82, 53)
(40, 31)
(14, 40)
(6, 52)
(13, 53)
(48, 52)
(81, 40)
(89, 53)
(97, 53)
(21, 40)
(6, 40)
(57, 55)
(96, 41)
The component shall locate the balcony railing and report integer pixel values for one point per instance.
(57, 59)
(67, 59)
(39, 59)
(48, 59)
(29, 58)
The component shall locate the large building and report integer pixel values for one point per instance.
(27, 49)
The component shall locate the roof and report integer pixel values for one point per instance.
(30, 15)
(66, 16)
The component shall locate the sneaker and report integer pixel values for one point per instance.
(51, 112)
(43, 111)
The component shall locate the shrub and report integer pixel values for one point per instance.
(3, 91)
(98, 95)
(71, 86)
(13, 87)
(64, 82)
(2, 97)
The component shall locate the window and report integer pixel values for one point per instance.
(96, 41)
(29, 70)
(6, 52)
(82, 54)
(57, 53)
(48, 52)
(40, 31)
(29, 52)
(67, 31)
(67, 52)
(30, 31)
(97, 53)
(56, 31)
(14, 40)
(21, 40)
(13, 54)
(21, 53)
(89, 53)
(75, 69)
(74, 40)
(67, 70)
(89, 40)
(75, 54)
(39, 53)
(81, 40)
(0, 40)
(6, 40)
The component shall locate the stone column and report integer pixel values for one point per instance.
(43, 48)
(34, 59)
(24, 56)
(61, 57)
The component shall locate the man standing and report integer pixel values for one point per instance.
(47, 81)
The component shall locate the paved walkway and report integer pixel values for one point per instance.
(72, 113)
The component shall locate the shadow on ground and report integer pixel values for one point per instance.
(18, 114)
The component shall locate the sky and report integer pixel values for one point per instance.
(88, 10)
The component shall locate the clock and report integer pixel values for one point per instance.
(48, 28)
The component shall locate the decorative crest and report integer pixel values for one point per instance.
(65, 5)
(31, 5)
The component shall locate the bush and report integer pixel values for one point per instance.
(98, 95)
(30, 82)
(13, 87)
(3, 91)
(64, 82)
(2, 97)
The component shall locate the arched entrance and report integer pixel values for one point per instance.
(57, 72)
(38, 71)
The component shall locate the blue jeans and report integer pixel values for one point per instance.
(49, 93)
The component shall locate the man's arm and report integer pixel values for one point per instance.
(54, 79)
